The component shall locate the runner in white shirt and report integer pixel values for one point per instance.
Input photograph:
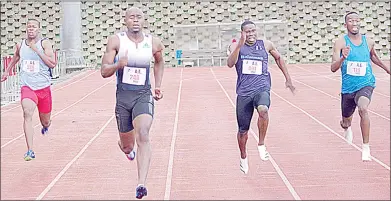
(128, 54)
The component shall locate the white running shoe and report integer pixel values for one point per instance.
(263, 153)
(244, 165)
(349, 135)
(366, 153)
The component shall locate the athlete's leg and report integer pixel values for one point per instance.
(263, 122)
(142, 114)
(348, 106)
(126, 130)
(28, 107)
(45, 108)
(29, 102)
(45, 122)
(244, 113)
(262, 104)
(363, 99)
(126, 144)
(142, 124)
(363, 103)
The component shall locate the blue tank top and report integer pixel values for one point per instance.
(356, 70)
(252, 69)
(134, 76)
(34, 73)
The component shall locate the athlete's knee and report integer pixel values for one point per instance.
(28, 106)
(242, 132)
(28, 113)
(363, 110)
(45, 119)
(346, 123)
(263, 111)
(45, 122)
(362, 105)
(142, 135)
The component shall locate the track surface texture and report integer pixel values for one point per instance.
(193, 138)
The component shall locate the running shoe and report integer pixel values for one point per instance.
(29, 155)
(141, 191)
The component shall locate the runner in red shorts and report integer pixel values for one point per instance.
(36, 58)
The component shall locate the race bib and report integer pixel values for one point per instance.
(356, 68)
(252, 67)
(30, 66)
(134, 76)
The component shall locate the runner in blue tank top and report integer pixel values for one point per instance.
(353, 53)
(250, 57)
(128, 54)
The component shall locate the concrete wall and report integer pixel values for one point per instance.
(312, 26)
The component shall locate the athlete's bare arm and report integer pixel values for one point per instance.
(108, 67)
(158, 69)
(234, 54)
(280, 63)
(48, 56)
(339, 45)
(374, 57)
(278, 58)
(15, 59)
(235, 49)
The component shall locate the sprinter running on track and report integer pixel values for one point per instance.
(128, 54)
(353, 53)
(250, 57)
(36, 57)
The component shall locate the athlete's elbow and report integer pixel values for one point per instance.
(230, 64)
(104, 74)
(52, 65)
(333, 69)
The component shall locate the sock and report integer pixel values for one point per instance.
(365, 145)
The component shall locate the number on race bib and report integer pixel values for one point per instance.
(30, 66)
(134, 76)
(356, 68)
(252, 67)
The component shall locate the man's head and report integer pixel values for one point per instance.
(251, 31)
(352, 22)
(32, 28)
(134, 19)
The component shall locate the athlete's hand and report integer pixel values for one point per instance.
(4, 76)
(346, 51)
(32, 46)
(242, 39)
(289, 85)
(158, 94)
(123, 60)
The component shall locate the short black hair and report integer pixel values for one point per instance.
(349, 13)
(246, 23)
(31, 19)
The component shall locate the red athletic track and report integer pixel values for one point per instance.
(193, 138)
